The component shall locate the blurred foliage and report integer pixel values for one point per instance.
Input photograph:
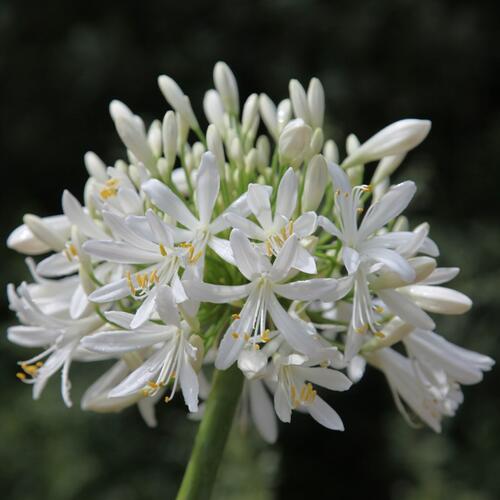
(61, 63)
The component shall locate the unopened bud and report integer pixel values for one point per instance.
(315, 183)
(299, 101)
(226, 85)
(95, 166)
(316, 102)
(294, 142)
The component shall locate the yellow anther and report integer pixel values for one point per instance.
(162, 250)
(293, 392)
(290, 227)
(152, 384)
(246, 337)
(265, 335)
(110, 190)
(39, 364)
(256, 347)
(367, 188)
(29, 369)
(379, 335)
(153, 277)
(378, 309)
(235, 335)
(324, 364)
(303, 392)
(337, 192)
(167, 399)
(21, 375)
(269, 248)
(235, 316)
(361, 329)
(130, 283)
(145, 392)
(195, 258)
(360, 210)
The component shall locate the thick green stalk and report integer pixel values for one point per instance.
(212, 435)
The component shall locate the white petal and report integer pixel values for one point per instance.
(291, 329)
(438, 299)
(238, 207)
(325, 415)
(330, 227)
(351, 259)
(340, 179)
(217, 294)
(165, 306)
(305, 225)
(248, 227)
(79, 218)
(406, 309)
(282, 405)
(120, 252)
(441, 275)
(121, 341)
(262, 411)
(145, 310)
(260, 205)
(57, 265)
(389, 207)
(393, 261)
(222, 248)
(207, 187)
(244, 253)
(285, 259)
(286, 199)
(189, 385)
(110, 292)
(314, 289)
(166, 200)
(79, 303)
(325, 377)
(304, 261)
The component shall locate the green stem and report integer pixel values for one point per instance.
(212, 435)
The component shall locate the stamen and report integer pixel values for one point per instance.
(129, 283)
(235, 316)
(265, 335)
(235, 335)
(162, 250)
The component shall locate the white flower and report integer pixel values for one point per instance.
(275, 230)
(249, 326)
(294, 389)
(430, 384)
(294, 142)
(170, 361)
(144, 241)
(200, 231)
(60, 339)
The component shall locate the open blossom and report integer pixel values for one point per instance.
(266, 252)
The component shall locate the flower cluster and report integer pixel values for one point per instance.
(233, 246)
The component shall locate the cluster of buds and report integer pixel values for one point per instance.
(248, 243)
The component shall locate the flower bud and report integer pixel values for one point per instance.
(268, 113)
(438, 299)
(316, 102)
(45, 233)
(250, 113)
(169, 132)
(331, 151)
(154, 137)
(214, 110)
(197, 152)
(24, 240)
(251, 362)
(131, 131)
(299, 101)
(392, 333)
(176, 98)
(264, 151)
(386, 167)
(182, 132)
(214, 143)
(294, 142)
(283, 113)
(397, 138)
(316, 142)
(226, 85)
(315, 183)
(95, 166)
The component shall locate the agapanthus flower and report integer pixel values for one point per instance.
(267, 256)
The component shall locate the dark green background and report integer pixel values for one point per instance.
(380, 60)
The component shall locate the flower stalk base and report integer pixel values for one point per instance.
(212, 435)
